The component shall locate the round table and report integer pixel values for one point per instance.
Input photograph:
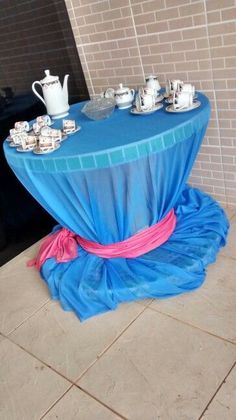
(113, 179)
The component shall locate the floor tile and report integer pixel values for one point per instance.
(22, 291)
(77, 405)
(230, 249)
(27, 387)
(223, 406)
(213, 306)
(31, 252)
(59, 339)
(229, 211)
(160, 369)
(145, 302)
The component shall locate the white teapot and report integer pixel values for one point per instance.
(55, 97)
(124, 97)
(153, 83)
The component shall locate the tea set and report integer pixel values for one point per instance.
(180, 97)
(41, 138)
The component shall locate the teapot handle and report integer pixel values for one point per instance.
(133, 92)
(36, 93)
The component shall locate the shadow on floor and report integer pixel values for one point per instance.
(21, 241)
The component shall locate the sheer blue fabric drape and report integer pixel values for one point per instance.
(110, 204)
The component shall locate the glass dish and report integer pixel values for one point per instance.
(99, 108)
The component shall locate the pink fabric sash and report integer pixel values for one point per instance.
(62, 244)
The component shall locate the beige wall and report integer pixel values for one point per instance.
(124, 40)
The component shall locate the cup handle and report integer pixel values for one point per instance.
(36, 93)
(133, 92)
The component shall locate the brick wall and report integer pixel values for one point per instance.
(124, 40)
(35, 35)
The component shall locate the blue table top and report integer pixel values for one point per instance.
(121, 138)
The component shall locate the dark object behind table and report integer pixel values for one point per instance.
(2, 104)
(7, 95)
(38, 39)
(21, 217)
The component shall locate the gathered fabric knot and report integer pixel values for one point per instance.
(61, 245)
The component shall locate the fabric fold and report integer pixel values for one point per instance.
(90, 285)
(62, 244)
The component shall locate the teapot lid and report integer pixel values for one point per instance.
(49, 78)
(150, 77)
(122, 89)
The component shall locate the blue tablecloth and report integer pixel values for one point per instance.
(113, 179)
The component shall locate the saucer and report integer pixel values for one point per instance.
(37, 151)
(195, 105)
(64, 133)
(166, 95)
(126, 105)
(12, 144)
(64, 137)
(20, 149)
(169, 100)
(134, 111)
(159, 98)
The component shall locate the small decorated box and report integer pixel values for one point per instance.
(56, 134)
(69, 126)
(51, 132)
(21, 126)
(31, 139)
(19, 138)
(36, 128)
(29, 142)
(43, 120)
(46, 142)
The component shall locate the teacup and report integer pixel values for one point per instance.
(69, 126)
(151, 91)
(13, 132)
(21, 126)
(43, 120)
(182, 100)
(145, 99)
(19, 138)
(46, 143)
(37, 128)
(187, 87)
(29, 142)
(173, 86)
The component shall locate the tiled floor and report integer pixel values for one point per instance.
(153, 360)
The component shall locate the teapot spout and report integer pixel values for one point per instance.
(65, 88)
